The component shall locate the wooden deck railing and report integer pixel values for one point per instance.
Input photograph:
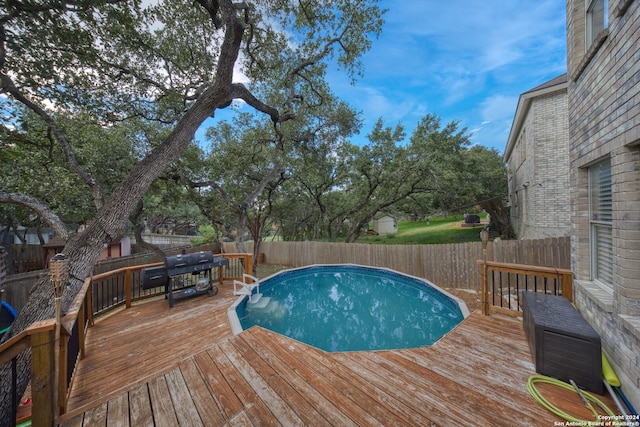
(503, 284)
(99, 294)
(38, 338)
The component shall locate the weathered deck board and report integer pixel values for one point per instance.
(184, 405)
(151, 365)
(162, 406)
(203, 398)
(140, 406)
(118, 411)
(302, 379)
(228, 402)
(286, 397)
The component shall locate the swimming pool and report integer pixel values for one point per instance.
(350, 308)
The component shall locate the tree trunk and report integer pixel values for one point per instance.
(256, 228)
(136, 220)
(256, 251)
(353, 232)
(242, 219)
(500, 220)
(82, 257)
(84, 249)
(40, 236)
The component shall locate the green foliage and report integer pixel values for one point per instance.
(206, 235)
(121, 74)
(118, 90)
(389, 171)
(439, 230)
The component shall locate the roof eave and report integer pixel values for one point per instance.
(524, 103)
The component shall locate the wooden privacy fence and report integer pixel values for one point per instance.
(450, 265)
(3, 266)
(26, 258)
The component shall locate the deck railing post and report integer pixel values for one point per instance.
(567, 284)
(221, 274)
(248, 264)
(484, 300)
(58, 273)
(61, 370)
(484, 237)
(81, 326)
(128, 287)
(42, 377)
(89, 301)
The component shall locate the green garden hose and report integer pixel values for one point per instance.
(531, 388)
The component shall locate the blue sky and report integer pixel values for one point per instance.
(462, 60)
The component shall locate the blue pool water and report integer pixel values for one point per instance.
(350, 308)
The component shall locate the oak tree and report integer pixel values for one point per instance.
(170, 63)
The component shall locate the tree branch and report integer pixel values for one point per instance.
(240, 91)
(7, 86)
(41, 209)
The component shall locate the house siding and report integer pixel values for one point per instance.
(604, 121)
(539, 170)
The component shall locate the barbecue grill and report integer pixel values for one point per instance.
(176, 267)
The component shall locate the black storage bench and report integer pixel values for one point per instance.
(563, 345)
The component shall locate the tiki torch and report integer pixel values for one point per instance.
(58, 277)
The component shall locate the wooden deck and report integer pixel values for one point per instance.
(151, 365)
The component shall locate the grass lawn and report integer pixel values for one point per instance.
(439, 231)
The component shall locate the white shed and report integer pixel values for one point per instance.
(385, 224)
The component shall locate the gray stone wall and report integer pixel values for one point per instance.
(604, 121)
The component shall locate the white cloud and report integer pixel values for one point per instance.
(498, 107)
(461, 60)
(481, 36)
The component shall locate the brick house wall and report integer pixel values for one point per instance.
(604, 122)
(537, 156)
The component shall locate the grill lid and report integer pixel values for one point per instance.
(188, 260)
(192, 263)
(154, 277)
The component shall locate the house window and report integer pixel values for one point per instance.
(596, 19)
(600, 213)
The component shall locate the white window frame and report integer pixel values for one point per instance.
(596, 19)
(601, 224)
